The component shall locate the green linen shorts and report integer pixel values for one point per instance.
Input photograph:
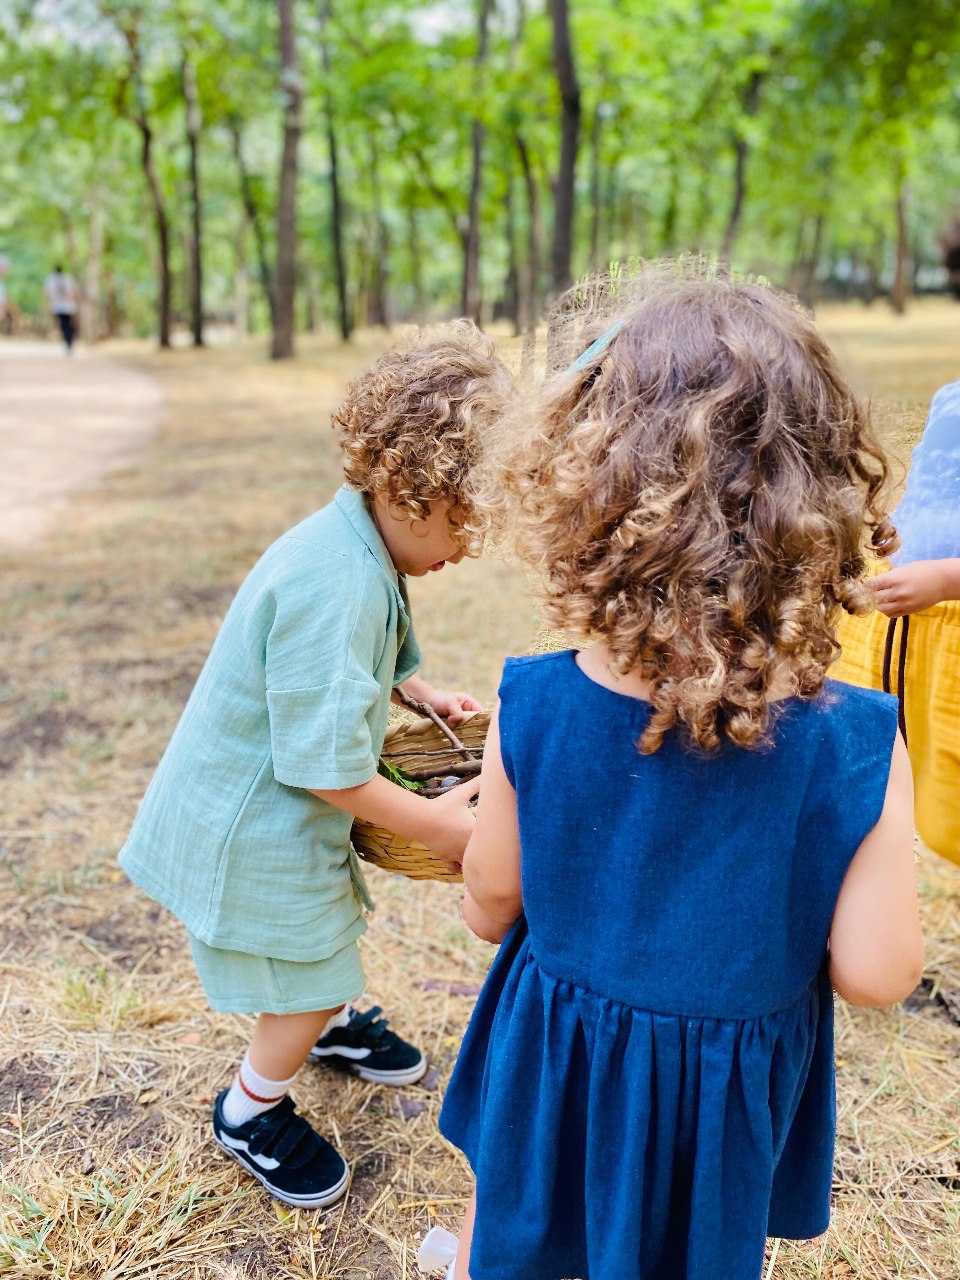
(237, 982)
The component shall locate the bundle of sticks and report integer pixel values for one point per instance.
(435, 782)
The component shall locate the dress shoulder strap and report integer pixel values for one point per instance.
(529, 691)
(857, 729)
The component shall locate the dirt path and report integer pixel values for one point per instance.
(63, 423)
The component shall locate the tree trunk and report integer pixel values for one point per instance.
(286, 271)
(313, 306)
(561, 250)
(898, 294)
(90, 321)
(610, 201)
(252, 210)
(470, 286)
(813, 261)
(416, 260)
(361, 300)
(241, 293)
(163, 228)
(112, 311)
(875, 262)
(741, 148)
(142, 120)
(336, 219)
(378, 313)
(531, 291)
(795, 275)
(336, 204)
(916, 265)
(668, 231)
(511, 285)
(595, 189)
(192, 101)
(470, 291)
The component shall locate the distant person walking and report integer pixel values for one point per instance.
(63, 298)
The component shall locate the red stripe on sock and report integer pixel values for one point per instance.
(254, 1096)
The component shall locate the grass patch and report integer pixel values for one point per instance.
(109, 1057)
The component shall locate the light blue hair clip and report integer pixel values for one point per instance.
(595, 348)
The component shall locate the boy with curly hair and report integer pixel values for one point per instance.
(244, 832)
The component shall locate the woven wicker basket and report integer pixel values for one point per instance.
(406, 746)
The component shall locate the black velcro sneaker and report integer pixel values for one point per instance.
(364, 1044)
(285, 1153)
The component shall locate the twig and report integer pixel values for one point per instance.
(424, 709)
(461, 769)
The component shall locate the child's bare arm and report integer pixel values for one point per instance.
(443, 825)
(491, 864)
(876, 947)
(481, 924)
(920, 585)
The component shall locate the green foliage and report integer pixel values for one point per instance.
(833, 106)
(397, 776)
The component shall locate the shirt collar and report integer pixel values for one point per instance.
(354, 507)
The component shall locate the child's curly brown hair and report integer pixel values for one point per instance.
(698, 494)
(412, 427)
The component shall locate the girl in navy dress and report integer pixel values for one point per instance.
(687, 837)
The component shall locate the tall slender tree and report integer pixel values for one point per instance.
(741, 149)
(564, 205)
(191, 98)
(285, 275)
(333, 154)
(132, 84)
(470, 291)
(898, 293)
(254, 215)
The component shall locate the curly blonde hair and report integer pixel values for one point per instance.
(412, 426)
(699, 494)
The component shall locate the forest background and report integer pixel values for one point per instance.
(294, 164)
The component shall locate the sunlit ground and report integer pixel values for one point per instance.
(109, 1057)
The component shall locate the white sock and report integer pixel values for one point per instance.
(340, 1019)
(251, 1094)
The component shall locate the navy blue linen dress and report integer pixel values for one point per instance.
(646, 1088)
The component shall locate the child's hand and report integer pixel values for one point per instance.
(451, 706)
(911, 588)
(452, 822)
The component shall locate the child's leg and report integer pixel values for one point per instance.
(277, 1051)
(257, 1124)
(461, 1271)
(281, 1041)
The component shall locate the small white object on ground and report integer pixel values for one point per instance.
(439, 1249)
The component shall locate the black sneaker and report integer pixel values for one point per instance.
(288, 1156)
(367, 1046)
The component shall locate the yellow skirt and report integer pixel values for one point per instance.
(921, 661)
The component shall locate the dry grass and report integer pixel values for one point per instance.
(109, 1056)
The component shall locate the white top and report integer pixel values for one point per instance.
(62, 295)
(928, 517)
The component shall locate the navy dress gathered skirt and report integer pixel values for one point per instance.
(646, 1087)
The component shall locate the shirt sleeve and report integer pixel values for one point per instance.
(322, 650)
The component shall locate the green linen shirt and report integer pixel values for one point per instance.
(294, 694)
